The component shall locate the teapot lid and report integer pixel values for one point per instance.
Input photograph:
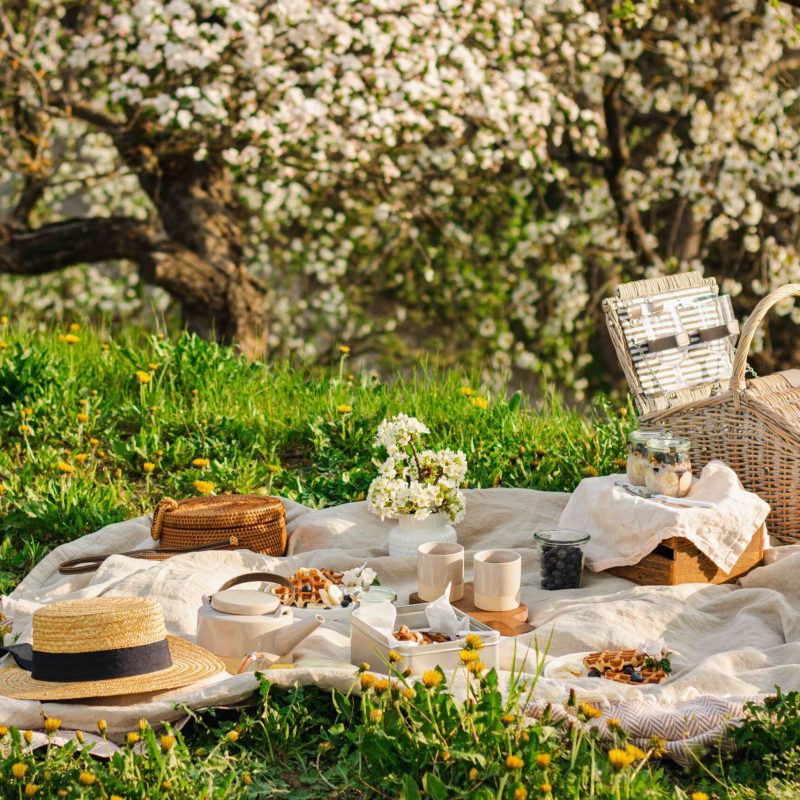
(245, 602)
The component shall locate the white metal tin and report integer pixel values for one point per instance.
(370, 646)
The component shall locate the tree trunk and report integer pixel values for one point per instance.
(199, 212)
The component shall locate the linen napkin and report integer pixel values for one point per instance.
(624, 528)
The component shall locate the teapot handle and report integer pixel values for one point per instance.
(250, 577)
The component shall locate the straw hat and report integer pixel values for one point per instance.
(101, 647)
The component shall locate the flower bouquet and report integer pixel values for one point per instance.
(418, 487)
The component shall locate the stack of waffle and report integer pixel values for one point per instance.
(313, 588)
(623, 666)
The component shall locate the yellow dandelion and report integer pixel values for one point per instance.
(466, 391)
(468, 656)
(79, 736)
(200, 752)
(148, 467)
(520, 793)
(658, 746)
(232, 736)
(367, 679)
(508, 719)
(344, 408)
(104, 346)
(94, 442)
(480, 402)
(74, 327)
(25, 429)
(637, 753)
(394, 657)
(195, 392)
(4, 345)
(344, 349)
(473, 641)
(28, 737)
(589, 711)
(514, 762)
(31, 789)
(381, 686)
(143, 725)
(431, 678)
(274, 468)
(4, 320)
(476, 667)
(82, 417)
(167, 742)
(408, 694)
(474, 774)
(545, 788)
(620, 759)
(2, 488)
(152, 367)
(543, 760)
(51, 725)
(247, 779)
(87, 778)
(166, 785)
(3, 731)
(614, 723)
(132, 738)
(27, 412)
(142, 376)
(115, 797)
(590, 471)
(201, 463)
(375, 715)
(699, 796)
(63, 466)
(18, 770)
(204, 487)
(83, 402)
(364, 667)
(81, 458)
(71, 338)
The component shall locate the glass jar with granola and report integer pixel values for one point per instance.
(669, 467)
(636, 464)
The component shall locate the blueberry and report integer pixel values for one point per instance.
(595, 673)
(636, 677)
(346, 601)
(628, 669)
(306, 588)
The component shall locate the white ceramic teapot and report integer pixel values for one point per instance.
(234, 623)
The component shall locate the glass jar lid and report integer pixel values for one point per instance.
(566, 536)
(643, 435)
(669, 444)
(376, 594)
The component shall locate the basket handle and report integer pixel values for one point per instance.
(749, 331)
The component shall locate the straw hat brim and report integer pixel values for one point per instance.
(190, 663)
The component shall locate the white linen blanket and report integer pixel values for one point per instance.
(731, 643)
(625, 528)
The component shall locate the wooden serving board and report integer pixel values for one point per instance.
(507, 623)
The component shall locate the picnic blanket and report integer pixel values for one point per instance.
(732, 643)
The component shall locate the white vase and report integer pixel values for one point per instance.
(410, 533)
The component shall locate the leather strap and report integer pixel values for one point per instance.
(77, 566)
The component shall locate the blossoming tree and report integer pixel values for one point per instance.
(371, 167)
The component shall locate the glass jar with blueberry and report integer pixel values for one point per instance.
(636, 464)
(669, 468)
(560, 557)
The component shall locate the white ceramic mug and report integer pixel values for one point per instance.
(440, 563)
(498, 575)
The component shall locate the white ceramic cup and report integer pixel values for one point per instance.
(440, 563)
(498, 575)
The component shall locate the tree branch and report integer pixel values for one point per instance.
(25, 251)
(617, 163)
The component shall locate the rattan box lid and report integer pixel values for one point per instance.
(212, 513)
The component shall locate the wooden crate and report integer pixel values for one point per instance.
(677, 560)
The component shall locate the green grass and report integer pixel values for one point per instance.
(77, 429)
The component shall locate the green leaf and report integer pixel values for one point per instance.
(434, 786)
(410, 790)
(516, 399)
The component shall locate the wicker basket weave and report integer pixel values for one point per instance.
(752, 425)
(246, 521)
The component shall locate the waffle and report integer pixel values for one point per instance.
(310, 588)
(611, 663)
(404, 634)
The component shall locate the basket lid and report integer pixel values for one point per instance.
(215, 513)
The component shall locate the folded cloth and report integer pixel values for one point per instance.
(624, 528)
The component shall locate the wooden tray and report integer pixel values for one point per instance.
(507, 623)
(677, 560)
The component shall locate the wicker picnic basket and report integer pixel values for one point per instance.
(675, 339)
